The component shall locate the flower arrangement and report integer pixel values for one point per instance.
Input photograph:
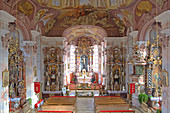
(143, 98)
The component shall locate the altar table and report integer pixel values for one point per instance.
(84, 80)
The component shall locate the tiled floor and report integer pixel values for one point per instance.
(85, 105)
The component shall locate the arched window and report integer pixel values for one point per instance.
(72, 58)
(96, 59)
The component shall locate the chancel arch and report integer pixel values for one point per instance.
(87, 41)
(113, 53)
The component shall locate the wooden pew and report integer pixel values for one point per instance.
(109, 103)
(54, 112)
(59, 104)
(118, 111)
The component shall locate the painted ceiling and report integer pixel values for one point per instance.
(83, 12)
(94, 32)
(114, 16)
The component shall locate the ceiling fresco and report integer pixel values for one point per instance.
(116, 17)
(88, 15)
(108, 4)
(84, 12)
(94, 32)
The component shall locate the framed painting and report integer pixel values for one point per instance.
(35, 71)
(5, 78)
(164, 78)
(139, 70)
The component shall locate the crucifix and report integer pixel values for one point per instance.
(84, 60)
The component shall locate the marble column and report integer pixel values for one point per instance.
(166, 66)
(4, 91)
(131, 42)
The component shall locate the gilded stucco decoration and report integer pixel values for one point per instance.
(120, 24)
(40, 14)
(46, 18)
(129, 15)
(25, 7)
(143, 7)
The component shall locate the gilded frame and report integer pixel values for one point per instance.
(5, 78)
(164, 75)
(139, 69)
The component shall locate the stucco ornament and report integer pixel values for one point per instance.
(143, 7)
(25, 7)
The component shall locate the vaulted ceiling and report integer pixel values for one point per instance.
(116, 17)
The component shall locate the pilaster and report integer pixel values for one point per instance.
(4, 91)
(165, 21)
(4, 41)
(30, 56)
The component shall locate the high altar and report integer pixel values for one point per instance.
(83, 61)
(84, 78)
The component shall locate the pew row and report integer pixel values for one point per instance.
(54, 112)
(118, 111)
(60, 104)
(109, 103)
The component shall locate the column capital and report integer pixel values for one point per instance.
(34, 34)
(133, 34)
(165, 41)
(29, 45)
(163, 17)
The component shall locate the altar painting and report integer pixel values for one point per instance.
(156, 77)
(116, 74)
(139, 70)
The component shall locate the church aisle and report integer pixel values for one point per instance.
(85, 105)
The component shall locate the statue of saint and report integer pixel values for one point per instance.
(84, 62)
(48, 80)
(116, 75)
(92, 79)
(53, 73)
(74, 79)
